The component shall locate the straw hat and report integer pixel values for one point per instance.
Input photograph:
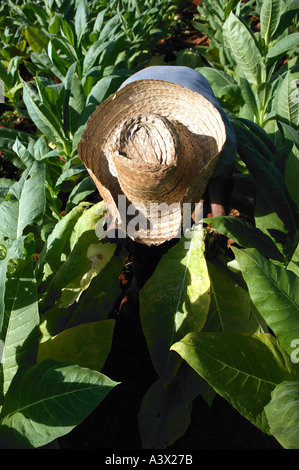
(156, 144)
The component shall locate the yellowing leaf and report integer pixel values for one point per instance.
(87, 345)
(175, 300)
(243, 369)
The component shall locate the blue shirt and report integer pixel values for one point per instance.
(193, 80)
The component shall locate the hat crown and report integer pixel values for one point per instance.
(150, 139)
(126, 152)
(147, 157)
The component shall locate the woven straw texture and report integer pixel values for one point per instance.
(157, 143)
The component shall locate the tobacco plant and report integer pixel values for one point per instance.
(253, 82)
(67, 263)
(216, 321)
(224, 311)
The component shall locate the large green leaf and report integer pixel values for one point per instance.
(5, 184)
(251, 108)
(101, 296)
(269, 18)
(36, 38)
(244, 234)
(71, 345)
(243, 369)
(287, 99)
(14, 251)
(292, 174)
(77, 104)
(92, 54)
(110, 28)
(223, 85)
(81, 19)
(80, 192)
(58, 242)
(270, 185)
(283, 414)
(20, 327)
(43, 117)
(290, 135)
(163, 416)
(32, 201)
(284, 45)
(269, 222)
(47, 401)
(87, 221)
(231, 307)
(113, 53)
(174, 301)
(96, 303)
(74, 101)
(27, 202)
(67, 82)
(8, 138)
(53, 61)
(243, 48)
(255, 136)
(26, 154)
(86, 259)
(64, 45)
(217, 78)
(274, 291)
(51, 95)
(165, 412)
(70, 173)
(294, 262)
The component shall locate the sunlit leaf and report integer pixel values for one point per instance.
(288, 98)
(243, 48)
(231, 307)
(20, 327)
(87, 345)
(81, 19)
(48, 401)
(243, 369)
(283, 414)
(58, 242)
(284, 45)
(27, 203)
(274, 291)
(269, 18)
(41, 115)
(36, 38)
(168, 314)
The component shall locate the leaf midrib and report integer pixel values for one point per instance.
(234, 368)
(272, 280)
(53, 397)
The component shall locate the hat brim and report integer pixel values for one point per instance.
(181, 106)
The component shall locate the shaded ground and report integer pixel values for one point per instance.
(114, 424)
(185, 35)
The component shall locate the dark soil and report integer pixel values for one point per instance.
(13, 120)
(114, 424)
(184, 36)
